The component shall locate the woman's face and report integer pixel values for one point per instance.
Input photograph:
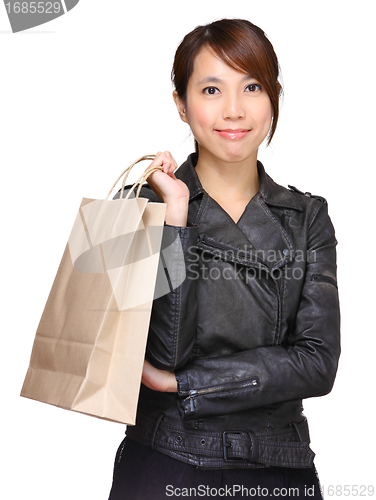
(228, 111)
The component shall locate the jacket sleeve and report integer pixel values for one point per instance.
(303, 366)
(173, 322)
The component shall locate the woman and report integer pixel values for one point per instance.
(254, 327)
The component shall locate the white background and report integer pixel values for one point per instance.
(85, 95)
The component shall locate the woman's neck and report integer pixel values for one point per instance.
(234, 182)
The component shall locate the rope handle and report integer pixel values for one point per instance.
(142, 179)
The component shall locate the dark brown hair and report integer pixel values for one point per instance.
(242, 46)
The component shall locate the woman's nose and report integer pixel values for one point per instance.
(233, 108)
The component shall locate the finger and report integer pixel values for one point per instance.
(165, 160)
(157, 162)
(173, 161)
(167, 157)
(173, 165)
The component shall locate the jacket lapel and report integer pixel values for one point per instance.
(257, 238)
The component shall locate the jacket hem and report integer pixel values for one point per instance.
(228, 449)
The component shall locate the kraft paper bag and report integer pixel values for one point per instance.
(90, 344)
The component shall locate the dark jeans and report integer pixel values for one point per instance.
(141, 473)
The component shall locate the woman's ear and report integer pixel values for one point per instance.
(180, 106)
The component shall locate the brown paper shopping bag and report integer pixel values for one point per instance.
(90, 343)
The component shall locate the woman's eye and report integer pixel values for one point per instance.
(210, 90)
(253, 87)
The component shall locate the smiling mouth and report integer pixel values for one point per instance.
(233, 133)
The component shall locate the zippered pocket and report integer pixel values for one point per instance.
(254, 260)
(231, 386)
(324, 278)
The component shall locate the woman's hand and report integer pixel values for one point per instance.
(158, 380)
(171, 190)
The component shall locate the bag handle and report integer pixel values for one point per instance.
(142, 179)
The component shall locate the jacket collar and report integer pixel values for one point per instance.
(258, 237)
(272, 193)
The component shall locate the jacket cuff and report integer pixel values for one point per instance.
(189, 232)
(183, 391)
(211, 386)
(182, 239)
(182, 380)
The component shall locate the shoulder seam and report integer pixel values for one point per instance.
(307, 193)
(315, 212)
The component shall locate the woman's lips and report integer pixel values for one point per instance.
(233, 133)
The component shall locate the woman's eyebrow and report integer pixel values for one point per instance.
(207, 79)
(216, 79)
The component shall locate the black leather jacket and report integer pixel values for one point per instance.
(252, 330)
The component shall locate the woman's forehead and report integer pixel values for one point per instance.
(209, 67)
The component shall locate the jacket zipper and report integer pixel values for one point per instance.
(324, 278)
(253, 382)
(215, 244)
